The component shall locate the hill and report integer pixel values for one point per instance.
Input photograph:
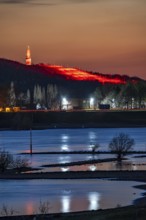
(43, 74)
(46, 84)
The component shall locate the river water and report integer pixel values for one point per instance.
(24, 196)
(69, 140)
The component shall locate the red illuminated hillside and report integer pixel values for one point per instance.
(79, 75)
(11, 69)
(74, 82)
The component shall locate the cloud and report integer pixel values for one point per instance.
(47, 2)
(14, 1)
(31, 2)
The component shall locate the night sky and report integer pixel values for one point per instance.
(107, 36)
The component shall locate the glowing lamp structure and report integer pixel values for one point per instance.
(65, 103)
(28, 56)
(91, 103)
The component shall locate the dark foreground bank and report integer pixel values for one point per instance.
(72, 119)
(126, 213)
(117, 175)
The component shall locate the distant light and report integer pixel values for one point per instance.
(8, 109)
(92, 167)
(38, 106)
(64, 101)
(91, 102)
(64, 169)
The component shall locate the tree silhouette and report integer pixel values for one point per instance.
(5, 160)
(121, 145)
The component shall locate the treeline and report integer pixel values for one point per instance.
(129, 95)
(32, 87)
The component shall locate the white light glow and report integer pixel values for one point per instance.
(92, 102)
(92, 167)
(64, 101)
(64, 169)
(94, 198)
(64, 147)
(65, 200)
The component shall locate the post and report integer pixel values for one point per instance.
(30, 141)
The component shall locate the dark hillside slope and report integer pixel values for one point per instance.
(78, 83)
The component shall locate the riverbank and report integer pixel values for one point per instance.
(115, 175)
(129, 212)
(72, 119)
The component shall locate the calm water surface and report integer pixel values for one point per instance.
(69, 140)
(24, 196)
(68, 195)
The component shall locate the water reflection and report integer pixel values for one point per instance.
(64, 169)
(64, 147)
(66, 195)
(64, 159)
(92, 136)
(92, 167)
(64, 138)
(123, 165)
(65, 203)
(29, 207)
(94, 199)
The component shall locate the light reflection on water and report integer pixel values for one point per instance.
(125, 165)
(66, 195)
(68, 140)
(65, 202)
(94, 199)
(73, 139)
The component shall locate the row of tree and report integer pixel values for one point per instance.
(46, 97)
(129, 95)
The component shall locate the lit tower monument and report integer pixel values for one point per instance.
(28, 56)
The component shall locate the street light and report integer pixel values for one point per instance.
(64, 103)
(91, 102)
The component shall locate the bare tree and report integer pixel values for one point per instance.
(121, 145)
(44, 207)
(5, 160)
(6, 211)
(20, 164)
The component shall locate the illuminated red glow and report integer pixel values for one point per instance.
(79, 75)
